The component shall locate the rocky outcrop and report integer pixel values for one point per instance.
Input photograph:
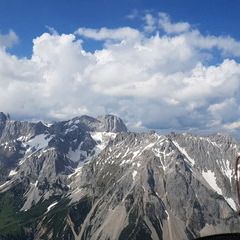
(3, 119)
(106, 123)
(111, 123)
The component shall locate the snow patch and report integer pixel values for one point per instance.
(47, 124)
(136, 153)
(134, 173)
(184, 152)
(4, 184)
(209, 176)
(167, 214)
(149, 146)
(36, 183)
(24, 138)
(227, 169)
(51, 206)
(159, 154)
(39, 142)
(231, 203)
(12, 173)
(102, 139)
(75, 155)
(77, 171)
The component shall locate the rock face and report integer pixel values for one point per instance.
(90, 178)
(111, 123)
(3, 119)
(107, 123)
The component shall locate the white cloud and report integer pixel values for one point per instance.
(122, 33)
(225, 111)
(150, 80)
(133, 14)
(226, 44)
(8, 40)
(169, 27)
(150, 23)
(233, 126)
(52, 30)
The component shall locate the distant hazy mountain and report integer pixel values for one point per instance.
(90, 178)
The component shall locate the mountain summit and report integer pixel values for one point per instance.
(90, 178)
(106, 123)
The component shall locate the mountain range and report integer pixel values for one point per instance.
(93, 179)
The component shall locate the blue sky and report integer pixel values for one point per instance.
(29, 18)
(169, 65)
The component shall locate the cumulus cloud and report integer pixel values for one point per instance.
(169, 27)
(150, 21)
(8, 40)
(122, 33)
(233, 126)
(150, 80)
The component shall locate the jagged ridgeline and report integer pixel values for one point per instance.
(90, 178)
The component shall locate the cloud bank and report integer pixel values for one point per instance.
(164, 76)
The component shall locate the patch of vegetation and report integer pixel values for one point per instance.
(9, 222)
(137, 231)
(16, 224)
(79, 212)
(10, 202)
(55, 220)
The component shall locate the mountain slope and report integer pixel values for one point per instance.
(89, 178)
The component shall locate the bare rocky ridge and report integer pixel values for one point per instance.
(90, 178)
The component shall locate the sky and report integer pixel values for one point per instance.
(166, 65)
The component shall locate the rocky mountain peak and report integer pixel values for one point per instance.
(3, 117)
(112, 123)
(105, 123)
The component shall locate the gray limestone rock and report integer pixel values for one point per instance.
(90, 178)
